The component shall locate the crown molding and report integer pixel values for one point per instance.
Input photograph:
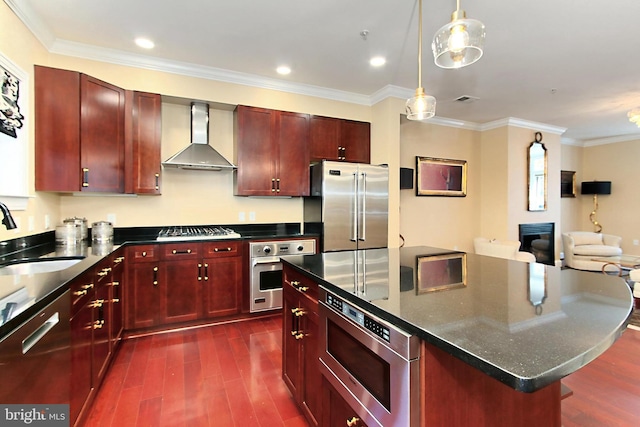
(112, 56)
(611, 140)
(32, 21)
(526, 124)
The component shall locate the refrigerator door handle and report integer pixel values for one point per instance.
(363, 208)
(354, 213)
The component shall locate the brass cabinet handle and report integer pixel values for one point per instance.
(222, 249)
(80, 292)
(352, 422)
(155, 276)
(84, 289)
(97, 303)
(273, 185)
(120, 259)
(98, 324)
(206, 271)
(157, 181)
(144, 254)
(185, 251)
(296, 284)
(278, 185)
(115, 283)
(199, 272)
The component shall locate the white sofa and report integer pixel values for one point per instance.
(509, 249)
(581, 247)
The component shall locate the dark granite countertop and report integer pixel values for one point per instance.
(527, 325)
(28, 294)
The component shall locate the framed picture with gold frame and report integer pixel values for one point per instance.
(442, 272)
(441, 177)
(567, 184)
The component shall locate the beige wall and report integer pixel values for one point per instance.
(449, 222)
(618, 212)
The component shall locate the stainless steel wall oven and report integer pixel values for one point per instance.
(372, 364)
(265, 275)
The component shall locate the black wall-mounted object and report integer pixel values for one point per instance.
(596, 187)
(406, 178)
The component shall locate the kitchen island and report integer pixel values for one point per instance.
(497, 335)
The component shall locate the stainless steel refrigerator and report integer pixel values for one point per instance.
(349, 205)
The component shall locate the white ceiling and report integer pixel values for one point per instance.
(567, 63)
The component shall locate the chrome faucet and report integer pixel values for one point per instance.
(8, 219)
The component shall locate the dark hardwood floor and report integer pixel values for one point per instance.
(230, 375)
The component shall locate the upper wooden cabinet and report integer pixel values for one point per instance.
(93, 136)
(272, 152)
(143, 137)
(79, 133)
(339, 140)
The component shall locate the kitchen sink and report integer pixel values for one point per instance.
(37, 266)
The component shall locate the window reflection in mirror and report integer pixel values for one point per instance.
(537, 175)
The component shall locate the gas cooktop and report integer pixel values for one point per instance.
(196, 233)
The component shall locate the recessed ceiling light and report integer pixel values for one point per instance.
(283, 69)
(144, 43)
(377, 61)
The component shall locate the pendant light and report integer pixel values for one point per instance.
(421, 106)
(459, 43)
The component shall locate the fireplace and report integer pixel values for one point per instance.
(539, 239)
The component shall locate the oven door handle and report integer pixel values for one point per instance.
(269, 260)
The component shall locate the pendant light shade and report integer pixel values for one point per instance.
(460, 42)
(421, 106)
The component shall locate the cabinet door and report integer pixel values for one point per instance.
(310, 399)
(81, 335)
(221, 286)
(101, 323)
(335, 410)
(256, 151)
(101, 136)
(145, 297)
(146, 136)
(57, 126)
(116, 300)
(290, 340)
(356, 141)
(324, 136)
(292, 177)
(183, 280)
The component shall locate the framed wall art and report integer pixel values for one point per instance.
(13, 134)
(567, 184)
(441, 177)
(442, 272)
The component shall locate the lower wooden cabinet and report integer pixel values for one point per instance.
(96, 329)
(335, 410)
(300, 344)
(182, 282)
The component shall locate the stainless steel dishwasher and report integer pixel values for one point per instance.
(35, 358)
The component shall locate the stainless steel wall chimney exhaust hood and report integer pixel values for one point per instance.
(199, 154)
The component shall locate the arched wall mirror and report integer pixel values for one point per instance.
(537, 175)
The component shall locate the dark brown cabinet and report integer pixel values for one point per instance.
(79, 133)
(335, 410)
(143, 132)
(300, 351)
(339, 140)
(272, 152)
(144, 292)
(182, 282)
(96, 328)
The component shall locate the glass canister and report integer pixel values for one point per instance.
(82, 223)
(102, 231)
(68, 233)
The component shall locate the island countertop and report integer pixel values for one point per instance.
(526, 325)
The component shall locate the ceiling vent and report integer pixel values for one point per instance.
(467, 99)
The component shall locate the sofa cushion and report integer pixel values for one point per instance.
(597, 250)
(586, 238)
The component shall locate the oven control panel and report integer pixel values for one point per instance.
(358, 316)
